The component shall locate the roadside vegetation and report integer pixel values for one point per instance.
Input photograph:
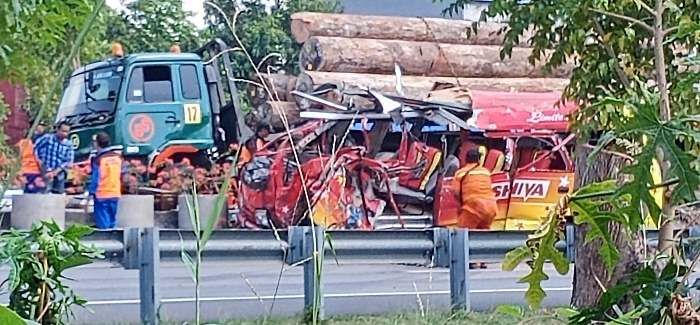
(503, 315)
(635, 78)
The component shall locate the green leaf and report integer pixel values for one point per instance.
(73, 261)
(514, 311)
(587, 212)
(515, 257)
(681, 168)
(187, 260)
(194, 219)
(219, 206)
(9, 317)
(560, 262)
(78, 231)
(565, 312)
(534, 295)
(329, 239)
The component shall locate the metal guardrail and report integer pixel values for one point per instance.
(144, 248)
(426, 247)
(226, 244)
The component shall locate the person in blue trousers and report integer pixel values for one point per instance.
(105, 182)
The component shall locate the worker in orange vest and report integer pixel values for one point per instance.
(254, 144)
(105, 184)
(30, 167)
(478, 203)
(473, 185)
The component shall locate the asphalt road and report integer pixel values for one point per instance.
(244, 290)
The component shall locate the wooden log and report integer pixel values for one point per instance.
(419, 87)
(361, 55)
(308, 24)
(279, 84)
(276, 109)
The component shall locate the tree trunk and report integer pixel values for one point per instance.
(360, 55)
(419, 87)
(307, 24)
(589, 271)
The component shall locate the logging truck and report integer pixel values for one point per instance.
(156, 105)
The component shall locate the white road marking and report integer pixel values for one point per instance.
(331, 295)
(428, 271)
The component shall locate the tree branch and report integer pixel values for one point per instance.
(646, 7)
(618, 66)
(670, 30)
(623, 17)
(610, 152)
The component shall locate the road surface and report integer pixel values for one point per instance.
(245, 290)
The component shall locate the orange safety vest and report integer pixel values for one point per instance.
(247, 155)
(26, 153)
(479, 207)
(108, 175)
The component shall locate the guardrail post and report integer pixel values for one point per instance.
(459, 269)
(131, 241)
(149, 257)
(295, 250)
(441, 252)
(314, 301)
(570, 242)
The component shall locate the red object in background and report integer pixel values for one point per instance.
(506, 111)
(17, 122)
(418, 162)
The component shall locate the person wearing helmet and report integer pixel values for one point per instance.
(254, 144)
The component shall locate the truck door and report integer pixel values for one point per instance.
(152, 116)
(543, 172)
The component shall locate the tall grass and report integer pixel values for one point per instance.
(202, 234)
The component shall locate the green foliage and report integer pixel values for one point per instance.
(539, 249)
(263, 31)
(673, 139)
(37, 259)
(609, 52)
(153, 26)
(650, 294)
(514, 311)
(610, 45)
(36, 35)
(596, 214)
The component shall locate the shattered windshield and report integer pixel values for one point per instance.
(90, 93)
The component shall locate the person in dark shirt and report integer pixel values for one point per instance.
(54, 153)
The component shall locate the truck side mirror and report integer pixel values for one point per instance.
(112, 95)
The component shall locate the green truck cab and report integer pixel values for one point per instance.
(155, 105)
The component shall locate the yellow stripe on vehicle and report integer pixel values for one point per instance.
(433, 166)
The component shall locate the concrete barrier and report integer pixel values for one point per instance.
(135, 211)
(28, 209)
(206, 208)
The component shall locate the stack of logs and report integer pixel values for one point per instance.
(354, 51)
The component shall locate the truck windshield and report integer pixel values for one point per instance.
(89, 93)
